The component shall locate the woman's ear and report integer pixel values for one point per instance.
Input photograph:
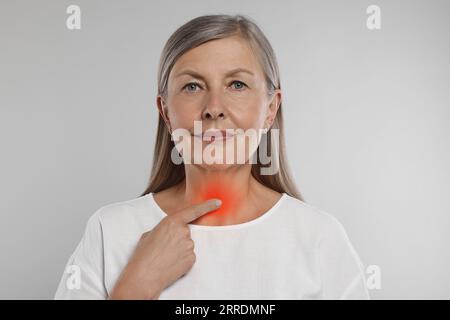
(274, 105)
(162, 108)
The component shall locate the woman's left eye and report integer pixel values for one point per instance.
(238, 85)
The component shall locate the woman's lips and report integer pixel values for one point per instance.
(215, 135)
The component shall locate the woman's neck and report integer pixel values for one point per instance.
(234, 186)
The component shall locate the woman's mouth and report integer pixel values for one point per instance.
(215, 135)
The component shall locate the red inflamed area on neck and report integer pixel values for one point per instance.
(219, 190)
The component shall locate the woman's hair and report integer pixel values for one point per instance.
(165, 173)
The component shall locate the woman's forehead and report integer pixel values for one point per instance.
(221, 56)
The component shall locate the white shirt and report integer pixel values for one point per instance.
(293, 251)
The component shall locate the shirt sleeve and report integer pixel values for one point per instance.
(342, 272)
(83, 277)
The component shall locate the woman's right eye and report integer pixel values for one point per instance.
(190, 87)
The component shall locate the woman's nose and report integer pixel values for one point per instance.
(214, 109)
(212, 115)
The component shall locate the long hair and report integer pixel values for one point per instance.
(165, 173)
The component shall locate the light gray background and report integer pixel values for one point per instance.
(367, 124)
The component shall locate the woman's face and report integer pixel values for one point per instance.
(221, 84)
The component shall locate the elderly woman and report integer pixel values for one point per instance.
(216, 229)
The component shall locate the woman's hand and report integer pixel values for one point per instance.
(162, 255)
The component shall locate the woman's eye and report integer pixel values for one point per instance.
(238, 85)
(190, 87)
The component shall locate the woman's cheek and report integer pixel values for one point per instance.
(248, 117)
(183, 116)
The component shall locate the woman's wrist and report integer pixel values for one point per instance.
(127, 291)
(134, 286)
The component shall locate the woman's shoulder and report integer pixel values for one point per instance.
(310, 218)
(137, 211)
(321, 231)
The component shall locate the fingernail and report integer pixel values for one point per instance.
(218, 203)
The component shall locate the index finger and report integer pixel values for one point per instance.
(190, 214)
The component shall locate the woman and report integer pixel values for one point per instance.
(216, 229)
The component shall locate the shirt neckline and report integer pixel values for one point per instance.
(225, 227)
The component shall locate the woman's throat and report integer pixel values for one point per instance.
(230, 197)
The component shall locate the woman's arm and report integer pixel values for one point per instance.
(84, 272)
(342, 272)
(161, 256)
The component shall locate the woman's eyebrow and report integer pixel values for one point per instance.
(199, 76)
(238, 70)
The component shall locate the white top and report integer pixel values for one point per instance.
(293, 251)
